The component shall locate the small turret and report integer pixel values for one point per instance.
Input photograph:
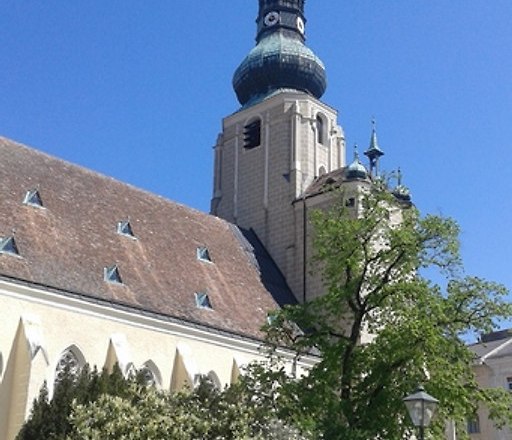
(356, 169)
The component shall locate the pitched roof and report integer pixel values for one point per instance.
(68, 244)
(493, 345)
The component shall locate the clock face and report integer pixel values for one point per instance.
(300, 25)
(271, 18)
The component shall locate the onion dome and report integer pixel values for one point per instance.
(356, 169)
(280, 59)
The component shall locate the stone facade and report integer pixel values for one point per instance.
(260, 188)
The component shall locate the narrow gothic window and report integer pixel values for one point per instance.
(148, 376)
(252, 134)
(69, 365)
(320, 130)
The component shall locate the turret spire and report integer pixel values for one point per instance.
(374, 152)
(280, 59)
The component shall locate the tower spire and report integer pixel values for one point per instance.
(280, 59)
(374, 152)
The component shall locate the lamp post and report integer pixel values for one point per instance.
(421, 407)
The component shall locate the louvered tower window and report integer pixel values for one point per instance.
(252, 134)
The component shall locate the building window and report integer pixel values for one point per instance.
(203, 301)
(321, 125)
(33, 198)
(203, 254)
(8, 246)
(509, 383)
(148, 377)
(474, 425)
(111, 275)
(125, 228)
(252, 134)
(68, 365)
(350, 202)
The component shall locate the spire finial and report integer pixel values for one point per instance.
(399, 176)
(374, 152)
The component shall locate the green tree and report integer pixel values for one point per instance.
(372, 264)
(204, 413)
(50, 419)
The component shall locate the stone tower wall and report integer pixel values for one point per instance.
(256, 188)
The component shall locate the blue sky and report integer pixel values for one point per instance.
(137, 90)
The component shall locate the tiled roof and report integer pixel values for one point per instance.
(68, 243)
(328, 181)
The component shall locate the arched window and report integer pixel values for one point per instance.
(321, 125)
(70, 362)
(150, 374)
(212, 376)
(321, 171)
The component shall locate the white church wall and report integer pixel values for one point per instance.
(38, 326)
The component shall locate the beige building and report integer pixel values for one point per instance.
(493, 369)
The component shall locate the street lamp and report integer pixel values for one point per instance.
(421, 407)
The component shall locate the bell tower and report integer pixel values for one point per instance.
(280, 141)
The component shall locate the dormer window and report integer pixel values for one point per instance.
(33, 198)
(124, 228)
(203, 301)
(252, 134)
(8, 246)
(203, 254)
(111, 275)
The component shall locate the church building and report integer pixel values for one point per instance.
(96, 271)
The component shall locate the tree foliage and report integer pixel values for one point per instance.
(107, 406)
(50, 419)
(382, 327)
(203, 413)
